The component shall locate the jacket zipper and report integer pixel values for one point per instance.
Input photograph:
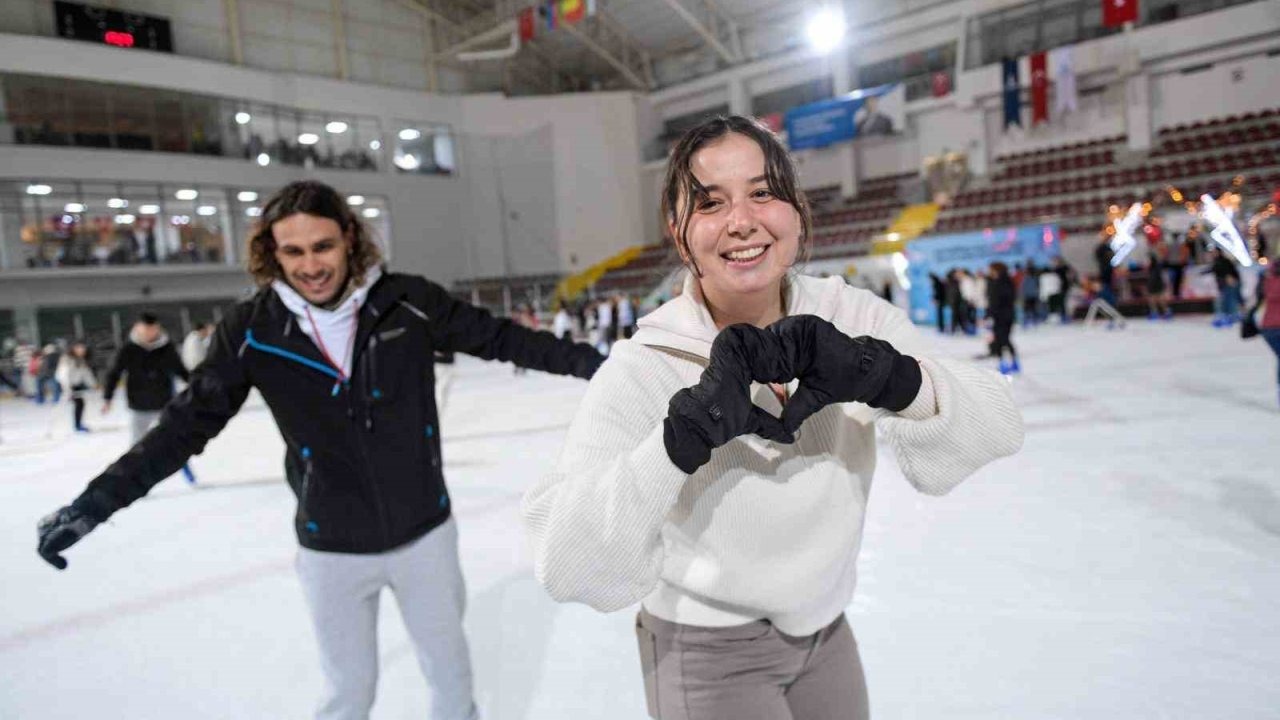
(384, 521)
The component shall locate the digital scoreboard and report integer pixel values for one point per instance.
(112, 27)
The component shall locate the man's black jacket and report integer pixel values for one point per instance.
(363, 456)
(149, 374)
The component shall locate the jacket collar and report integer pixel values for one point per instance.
(685, 325)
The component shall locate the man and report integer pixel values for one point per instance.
(1102, 254)
(149, 363)
(46, 375)
(341, 352)
(1066, 278)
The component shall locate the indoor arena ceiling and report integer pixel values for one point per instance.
(627, 44)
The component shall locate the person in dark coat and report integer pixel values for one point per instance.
(342, 353)
(1001, 301)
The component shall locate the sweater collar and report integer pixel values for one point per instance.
(300, 306)
(684, 324)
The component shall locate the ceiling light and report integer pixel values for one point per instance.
(410, 134)
(207, 210)
(186, 194)
(247, 196)
(243, 117)
(73, 208)
(125, 219)
(375, 144)
(355, 199)
(371, 212)
(39, 189)
(308, 139)
(407, 162)
(180, 219)
(336, 127)
(117, 203)
(253, 211)
(264, 159)
(826, 29)
(148, 209)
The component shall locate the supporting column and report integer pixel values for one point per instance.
(233, 31)
(1137, 111)
(340, 40)
(841, 84)
(739, 100)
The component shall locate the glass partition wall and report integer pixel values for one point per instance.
(37, 110)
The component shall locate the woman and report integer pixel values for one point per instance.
(681, 487)
(1157, 290)
(1269, 301)
(1000, 309)
(77, 377)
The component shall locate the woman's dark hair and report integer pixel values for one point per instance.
(1000, 270)
(312, 198)
(681, 191)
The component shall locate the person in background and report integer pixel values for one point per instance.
(1227, 303)
(525, 317)
(604, 324)
(1050, 289)
(150, 366)
(562, 325)
(1066, 279)
(76, 375)
(939, 300)
(1268, 310)
(46, 375)
(1102, 254)
(626, 316)
(1179, 258)
(1157, 290)
(1030, 295)
(1001, 301)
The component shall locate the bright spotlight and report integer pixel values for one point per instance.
(355, 200)
(246, 196)
(264, 159)
(243, 118)
(410, 134)
(407, 162)
(308, 139)
(254, 211)
(371, 212)
(206, 210)
(826, 29)
(74, 208)
(39, 189)
(148, 209)
(186, 194)
(117, 203)
(125, 219)
(336, 127)
(375, 144)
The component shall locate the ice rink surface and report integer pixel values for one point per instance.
(1125, 565)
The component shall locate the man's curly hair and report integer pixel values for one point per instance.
(312, 198)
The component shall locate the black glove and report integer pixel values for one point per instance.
(64, 528)
(719, 408)
(834, 368)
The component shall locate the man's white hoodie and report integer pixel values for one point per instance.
(330, 330)
(763, 530)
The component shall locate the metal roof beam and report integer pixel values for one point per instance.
(710, 37)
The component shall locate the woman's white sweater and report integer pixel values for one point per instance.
(763, 530)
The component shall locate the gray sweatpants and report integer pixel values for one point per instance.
(342, 592)
(750, 672)
(140, 421)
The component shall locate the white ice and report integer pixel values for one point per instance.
(1125, 565)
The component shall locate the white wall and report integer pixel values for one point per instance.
(1228, 88)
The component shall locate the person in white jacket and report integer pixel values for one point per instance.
(680, 488)
(75, 374)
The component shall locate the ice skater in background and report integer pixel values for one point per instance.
(75, 374)
(150, 365)
(680, 487)
(1267, 310)
(342, 353)
(1002, 311)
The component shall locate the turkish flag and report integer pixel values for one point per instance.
(1118, 12)
(1039, 89)
(527, 24)
(941, 84)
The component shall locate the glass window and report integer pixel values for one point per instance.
(423, 149)
(133, 119)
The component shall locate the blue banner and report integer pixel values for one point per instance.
(1012, 93)
(974, 251)
(841, 118)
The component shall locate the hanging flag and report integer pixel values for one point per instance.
(941, 84)
(1012, 94)
(1118, 12)
(573, 10)
(1039, 90)
(548, 12)
(1064, 80)
(526, 24)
